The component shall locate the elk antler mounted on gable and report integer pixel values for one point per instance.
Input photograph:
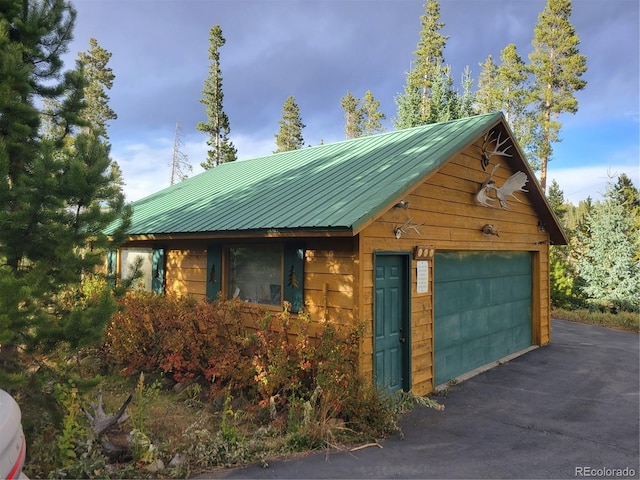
(486, 154)
(515, 183)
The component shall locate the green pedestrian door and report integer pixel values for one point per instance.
(482, 309)
(391, 322)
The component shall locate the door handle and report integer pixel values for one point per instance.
(403, 340)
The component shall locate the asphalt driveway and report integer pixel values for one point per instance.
(566, 410)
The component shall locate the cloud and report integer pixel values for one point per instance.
(316, 51)
(581, 182)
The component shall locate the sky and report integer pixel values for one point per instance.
(318, 50)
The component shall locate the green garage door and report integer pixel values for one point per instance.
(482, 309)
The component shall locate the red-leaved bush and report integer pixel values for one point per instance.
(233, 346)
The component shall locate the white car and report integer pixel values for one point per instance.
(12, 443)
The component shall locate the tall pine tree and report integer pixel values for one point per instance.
(557, 66)
(100, 78)
(414, 103)
(56, 196)
(221, 149)
(289, 136)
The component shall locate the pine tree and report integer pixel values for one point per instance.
(56, 196)
(371, 115)
(606, 256)
(100, 78)
(506, 88)
(428, 59)
(352, 115)
(444, 99)
(557, 202)
(562, 273)
(409, 104)
(289, 137)
(221, 149)
(466, 102)
(557, 66)
(514, 85)
(488, 95)
(363, 117)
(627, 195)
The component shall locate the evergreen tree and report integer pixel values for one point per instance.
(56, 196)
(557, 66)
(352, 115)
(557, 202)
(409, 104)
(362, 117)
(562, 273)
(443, 103)
(466, 102)
(428, 60)
(627, 195)
(221, 149)
(505, 87)
(488, 94)
(606, 256)
(575, 217)
(513, 83)
(371, 115)
(100, 78)
(289, 137)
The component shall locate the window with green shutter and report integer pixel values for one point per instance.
(147, 263)
(260, 274)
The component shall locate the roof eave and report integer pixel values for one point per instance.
(245, 234)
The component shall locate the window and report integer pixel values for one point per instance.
(262, 274)
(150, 262)
(255, 274)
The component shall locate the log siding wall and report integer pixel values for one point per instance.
(445, 212)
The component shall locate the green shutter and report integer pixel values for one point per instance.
(112, 268)
(157, 280)
(214, 271)
(294, 276)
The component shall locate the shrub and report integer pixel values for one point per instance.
(302, 375)
(180, 337)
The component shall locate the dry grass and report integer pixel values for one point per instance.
(628, 321)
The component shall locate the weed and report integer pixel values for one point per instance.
(629, 321)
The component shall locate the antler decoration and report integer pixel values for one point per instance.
(515, 183)
(486, 154)
(398, 231)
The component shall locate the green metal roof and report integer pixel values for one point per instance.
(338, 186)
